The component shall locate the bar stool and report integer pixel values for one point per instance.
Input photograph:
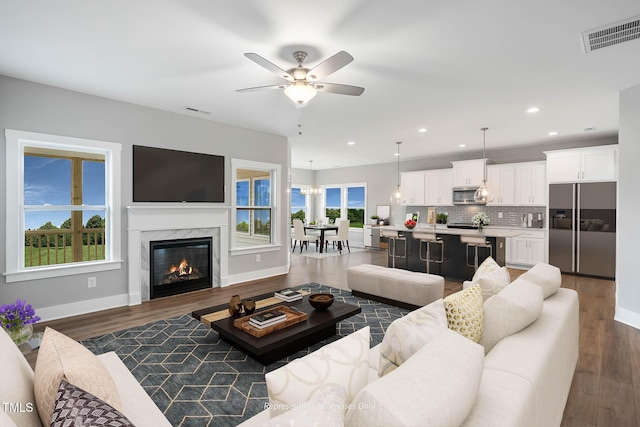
(475, 242)
(428, 239)
(394, 237)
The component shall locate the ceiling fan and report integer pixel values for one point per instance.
(304, 83)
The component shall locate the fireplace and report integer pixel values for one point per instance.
(179, 265)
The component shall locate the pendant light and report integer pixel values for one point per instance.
(311, 191)
(396, 196)
(482, 194)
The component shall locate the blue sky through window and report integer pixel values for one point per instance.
(47, 181)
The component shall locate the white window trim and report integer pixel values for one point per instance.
(343, 200)
(276, 214)
(16, 141)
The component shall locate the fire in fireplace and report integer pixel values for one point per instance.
(179, 266)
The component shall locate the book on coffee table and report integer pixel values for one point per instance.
(288, 295)
(267, 317)
(268, 323)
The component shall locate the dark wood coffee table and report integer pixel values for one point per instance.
(280, 344)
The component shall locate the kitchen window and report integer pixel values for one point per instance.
(60, 217)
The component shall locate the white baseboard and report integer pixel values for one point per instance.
(627, 317)
(258, 274)
(82, 307)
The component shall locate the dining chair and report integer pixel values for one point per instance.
(300, 236)
(341, 236)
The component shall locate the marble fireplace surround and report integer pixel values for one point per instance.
(162, 222)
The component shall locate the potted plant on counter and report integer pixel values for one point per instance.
(441, 218)
(374, 219)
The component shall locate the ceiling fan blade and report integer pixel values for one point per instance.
(339, 89)
(329, 65)
(269, 66)
(252, 89)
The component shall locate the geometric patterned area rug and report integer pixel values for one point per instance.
(196, 379)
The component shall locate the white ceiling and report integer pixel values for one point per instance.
(449, 66)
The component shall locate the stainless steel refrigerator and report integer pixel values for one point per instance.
(582, 228)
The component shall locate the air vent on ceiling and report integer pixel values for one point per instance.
(612, 34)
(195, 110)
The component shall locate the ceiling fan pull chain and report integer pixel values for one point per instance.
(300, 121)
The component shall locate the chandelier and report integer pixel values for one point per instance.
(311, 190)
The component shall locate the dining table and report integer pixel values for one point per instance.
(322, 229)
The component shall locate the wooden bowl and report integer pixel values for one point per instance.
(321, 301)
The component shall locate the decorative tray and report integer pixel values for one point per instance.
(293, 317)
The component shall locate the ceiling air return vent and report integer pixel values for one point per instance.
(612, 34)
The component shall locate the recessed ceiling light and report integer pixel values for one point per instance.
(422, 130)
(553, 133)
(533, 110)
(462, 145)
(396, 154)
(351, 143)
(589, 129)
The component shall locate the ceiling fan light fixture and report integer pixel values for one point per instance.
(300, 92)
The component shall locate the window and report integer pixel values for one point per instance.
(298, 204)
(347, 201)
(254, 204)
(59, 215)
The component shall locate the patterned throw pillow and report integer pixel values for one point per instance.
(60, 358)
(341, 363)
(78, 408)
(408, 334)
(465, 312)
(487, 266)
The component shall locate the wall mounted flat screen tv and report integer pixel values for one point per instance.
(162, 175)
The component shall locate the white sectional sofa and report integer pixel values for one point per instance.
(523, 379)
(19, 399)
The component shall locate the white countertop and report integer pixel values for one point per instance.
(488, 231)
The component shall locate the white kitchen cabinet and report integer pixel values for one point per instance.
(527, 249)
(413, 187)
(530, 184)
(501, 183)
(439, 187)
(468, 173)
(590, 164)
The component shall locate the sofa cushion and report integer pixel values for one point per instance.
(17, 386)
(437, 386)
(60, 358)
(341, 363)
(465, 313)
(546, 276)
(76, 407)
(326, 409)
(408, 334)
(513, 309)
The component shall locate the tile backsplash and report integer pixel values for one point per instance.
(511, 215)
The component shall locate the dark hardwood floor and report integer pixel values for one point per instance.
(606, 385)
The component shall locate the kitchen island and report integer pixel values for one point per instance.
(454, 265)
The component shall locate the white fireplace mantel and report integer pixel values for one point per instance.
(170, 217)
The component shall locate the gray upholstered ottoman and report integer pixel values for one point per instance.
(402, 288)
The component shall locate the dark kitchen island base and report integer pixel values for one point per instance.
(454, 265)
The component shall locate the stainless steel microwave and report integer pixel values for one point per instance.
(464, 196)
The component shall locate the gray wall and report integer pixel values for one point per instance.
(38, 108)
(628, 292)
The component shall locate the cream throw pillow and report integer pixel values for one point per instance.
(60, 358)
(487, 266)
(341, 363)
(465, 313)
(437, 386)
(512, 310)
(546, 276)
(408, 334)
(326, 409)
